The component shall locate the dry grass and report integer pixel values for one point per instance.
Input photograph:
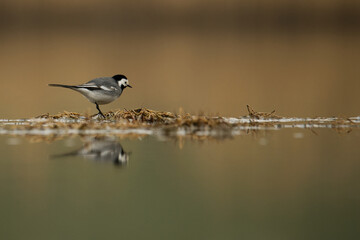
(166, 124)
(139, 117)
(143, 117)
(259, 115)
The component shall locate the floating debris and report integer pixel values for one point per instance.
(259, 115)
(143, 122)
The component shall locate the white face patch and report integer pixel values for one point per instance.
(123, 82)
(123, 158)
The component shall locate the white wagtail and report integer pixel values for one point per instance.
(101, 90)
(101, 150)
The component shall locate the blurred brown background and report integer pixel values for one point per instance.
(300, 58)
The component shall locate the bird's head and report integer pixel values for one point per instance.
(122, 81)
(122, 159)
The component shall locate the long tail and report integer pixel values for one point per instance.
(61, 85)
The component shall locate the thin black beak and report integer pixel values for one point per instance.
(129, 86)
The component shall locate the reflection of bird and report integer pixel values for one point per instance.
(101, 150)
(101, 90)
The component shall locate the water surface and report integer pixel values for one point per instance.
(286, 184)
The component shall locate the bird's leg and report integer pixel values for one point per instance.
(97, 107)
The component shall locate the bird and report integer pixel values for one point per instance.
(100, 150)
(102, 90)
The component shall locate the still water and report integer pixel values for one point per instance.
(285, 184)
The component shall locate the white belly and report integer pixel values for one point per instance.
(96, 97)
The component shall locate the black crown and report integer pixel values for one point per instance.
(118, 77)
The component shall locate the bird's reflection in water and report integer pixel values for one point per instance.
(101, 150)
